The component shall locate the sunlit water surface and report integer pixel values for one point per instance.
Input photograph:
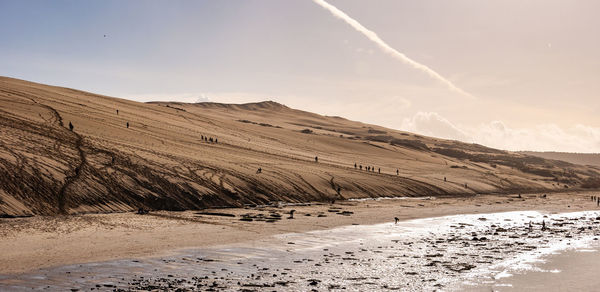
(462, 252)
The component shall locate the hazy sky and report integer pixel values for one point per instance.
(532, 67)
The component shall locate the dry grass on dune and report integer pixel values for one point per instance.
(161, 162)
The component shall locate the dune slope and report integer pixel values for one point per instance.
(161, 161)
(592, 159)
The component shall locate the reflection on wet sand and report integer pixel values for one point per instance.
(424, 254)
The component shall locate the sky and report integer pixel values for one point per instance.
(527, 72)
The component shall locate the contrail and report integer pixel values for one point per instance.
(387, 49)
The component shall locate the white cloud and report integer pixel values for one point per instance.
(543, 137)
(202, 98)
(496, 134)
(433, 124)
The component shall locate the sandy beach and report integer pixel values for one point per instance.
(39, 242)
(299, 146)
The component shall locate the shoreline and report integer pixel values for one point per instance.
(33, 243)
(417, 255)
(573, 270)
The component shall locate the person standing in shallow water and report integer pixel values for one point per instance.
(543, 225)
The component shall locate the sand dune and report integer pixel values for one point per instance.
(161, 162)
(592, 159)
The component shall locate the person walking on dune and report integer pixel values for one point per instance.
(70, 126)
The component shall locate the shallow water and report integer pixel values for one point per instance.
(472, 252)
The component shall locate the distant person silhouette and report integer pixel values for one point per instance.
(127, 125)
(444, 178)
(397, 172)
(70, 126)
(316, 159)
(259, 170)
(216, 140)
(117, 112)
(543, 225)
(379, 170)
(396, 219)
(355, 165)
(360, 167)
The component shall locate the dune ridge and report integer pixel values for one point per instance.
(161, 161)
(591, 159)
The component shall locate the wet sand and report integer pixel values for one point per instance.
(38, 242)
(575, 269)
(413, 255)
